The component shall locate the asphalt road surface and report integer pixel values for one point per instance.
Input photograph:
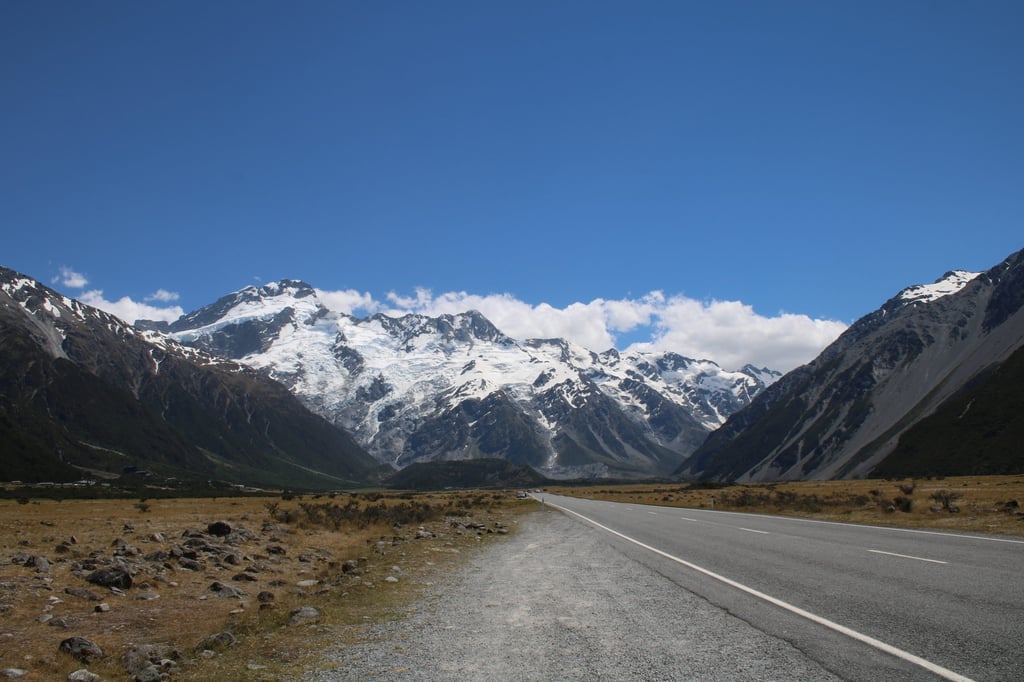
(592, 590)
(866, 603)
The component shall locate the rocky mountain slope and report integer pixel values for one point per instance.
(416, 388)
(925, 363)
(83, 392)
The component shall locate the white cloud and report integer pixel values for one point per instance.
(163, 296)
(732, 334)
(70, 278)
(130, 310)
(729, 332)
(349, 301)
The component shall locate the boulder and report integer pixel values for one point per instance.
(304, 615)
(227, 591)
(114, 576)
(218, 642)
(219, 529)
(81, 649)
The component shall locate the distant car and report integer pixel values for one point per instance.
(522, 495)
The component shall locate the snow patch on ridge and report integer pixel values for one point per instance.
(950, 283)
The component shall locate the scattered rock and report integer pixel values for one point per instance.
(218, 642)
(150, 673)
(114, 576)
(83, 675)
(304, 615)
(102, 608)
(350, 566)
(276, 549)
(227, 591)
(307, 583)
(59, 623)
(81, 649)
(143, 660)
(244, 577)
(219, 529)
(265, 597)
(391, 579)
(83, 593)
(13, 672)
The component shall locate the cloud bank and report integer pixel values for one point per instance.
(130, 310)
(729, 332)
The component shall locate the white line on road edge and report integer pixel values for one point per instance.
(907, 556)
(751, 530)
(842, 629)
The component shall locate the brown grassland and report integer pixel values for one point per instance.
(290, 544)
(981, 504)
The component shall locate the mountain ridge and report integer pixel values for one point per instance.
(84, 390)
(420, 388)
(843, 413)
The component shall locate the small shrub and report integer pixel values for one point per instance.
(904, 504)
(947, 498)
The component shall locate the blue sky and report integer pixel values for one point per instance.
(735, 180)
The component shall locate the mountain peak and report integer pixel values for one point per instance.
(950, 283)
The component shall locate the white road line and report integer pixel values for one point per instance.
(945, 673)
(751, 530)
(653, 513)
(907, 556)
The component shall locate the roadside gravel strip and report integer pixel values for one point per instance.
(556, 601)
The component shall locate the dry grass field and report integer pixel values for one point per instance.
(343, 555)
(983, 504)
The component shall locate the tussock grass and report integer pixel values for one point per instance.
(984, 504)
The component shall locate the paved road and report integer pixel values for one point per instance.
(946, 604)
(559, 601)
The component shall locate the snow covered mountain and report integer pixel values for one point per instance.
(419, 388)
(85, 393)
(943, 358)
